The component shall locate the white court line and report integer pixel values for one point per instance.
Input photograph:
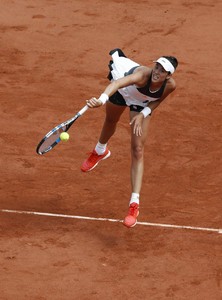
(218, 230)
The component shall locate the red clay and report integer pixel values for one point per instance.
(54, 55)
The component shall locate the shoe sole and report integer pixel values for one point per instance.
(107, 155)
(133, 224)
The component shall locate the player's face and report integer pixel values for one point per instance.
(159, 74)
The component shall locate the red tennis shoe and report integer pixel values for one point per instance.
(131, 219)
(92, 161)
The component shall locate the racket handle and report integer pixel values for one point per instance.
(83, 110)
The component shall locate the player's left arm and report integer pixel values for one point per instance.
(170, 87)
(138, 119)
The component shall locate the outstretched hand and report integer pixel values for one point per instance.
(137, 122)
(93, 102)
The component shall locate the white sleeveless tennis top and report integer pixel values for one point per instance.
(133, 95)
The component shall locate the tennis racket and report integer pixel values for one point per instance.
(52, 138)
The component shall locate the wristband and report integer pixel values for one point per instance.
(146, 112)
(103, 98)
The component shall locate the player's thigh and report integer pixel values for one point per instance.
(114, 112)
(139, 140)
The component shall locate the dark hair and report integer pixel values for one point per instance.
(173, 60)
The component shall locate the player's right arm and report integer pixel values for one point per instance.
(135, 78)
(138, 78)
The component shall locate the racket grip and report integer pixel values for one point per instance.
(83, 110)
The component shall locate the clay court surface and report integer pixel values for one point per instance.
(54, 56)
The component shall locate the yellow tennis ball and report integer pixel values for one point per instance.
(64, 136)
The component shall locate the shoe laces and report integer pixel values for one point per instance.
(133, 209)
(93, 156)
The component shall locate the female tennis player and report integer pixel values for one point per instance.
(141, 89)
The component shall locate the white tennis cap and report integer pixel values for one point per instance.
(166, 64)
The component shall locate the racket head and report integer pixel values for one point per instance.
(51, 139)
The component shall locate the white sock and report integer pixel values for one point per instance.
(135, 198)
(100, 148)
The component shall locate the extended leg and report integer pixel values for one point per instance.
(137, 167)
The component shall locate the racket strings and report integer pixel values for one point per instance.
(51, 140)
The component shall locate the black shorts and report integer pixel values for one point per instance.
(118, 99)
